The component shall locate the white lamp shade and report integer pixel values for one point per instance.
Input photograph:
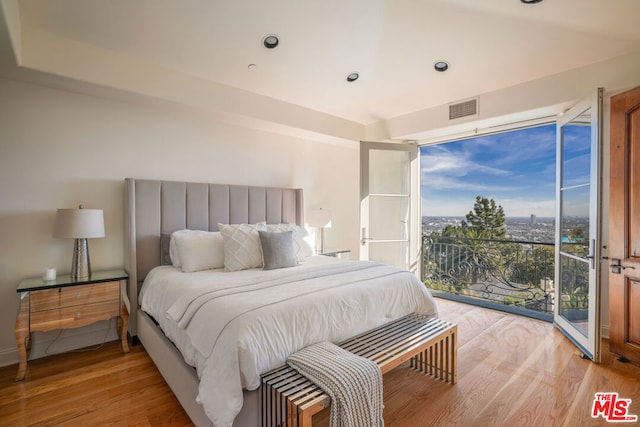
(79, 223)
(320, 218)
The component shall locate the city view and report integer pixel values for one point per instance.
(488, 225)
(527, 229)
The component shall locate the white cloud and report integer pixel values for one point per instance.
(516, 169)
(443, 162)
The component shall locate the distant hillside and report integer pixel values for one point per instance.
(538, 229)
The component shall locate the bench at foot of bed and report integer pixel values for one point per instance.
(289, 399)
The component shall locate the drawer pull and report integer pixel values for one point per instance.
(78, 295)
(77, 315)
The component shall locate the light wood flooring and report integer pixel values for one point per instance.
(512, 371)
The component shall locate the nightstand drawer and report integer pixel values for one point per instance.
(70, 302)
(48, 299)
(74, 317)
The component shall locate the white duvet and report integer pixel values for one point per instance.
(234, 326)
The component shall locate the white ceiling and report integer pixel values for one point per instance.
(393, 44)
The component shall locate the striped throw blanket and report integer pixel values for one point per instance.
(353, 383)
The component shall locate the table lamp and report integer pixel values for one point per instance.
(320, 218)
(79, 224)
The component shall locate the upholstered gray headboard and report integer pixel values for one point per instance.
(156, 207)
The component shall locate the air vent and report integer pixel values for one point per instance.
(463, 109)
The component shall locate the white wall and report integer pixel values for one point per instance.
(59, 149)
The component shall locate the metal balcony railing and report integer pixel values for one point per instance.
(509, 275)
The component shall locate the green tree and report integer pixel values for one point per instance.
(474, 257)
(532, 267)
(456, 231)
(487, 218)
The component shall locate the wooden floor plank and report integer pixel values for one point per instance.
(102, 387)
(512, 371)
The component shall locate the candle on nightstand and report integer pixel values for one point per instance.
(49, 274)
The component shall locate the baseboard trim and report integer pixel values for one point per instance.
(9, 356)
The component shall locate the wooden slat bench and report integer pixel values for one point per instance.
(289, 399)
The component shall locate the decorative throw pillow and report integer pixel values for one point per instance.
(199, 250)
(277, 249)
(301, 246)
(165, 252)
(241, 245)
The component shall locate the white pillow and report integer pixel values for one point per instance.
(173, 251)
(242, 245)
(301, 245)
(196, 250)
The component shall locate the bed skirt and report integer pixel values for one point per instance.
(182, 378)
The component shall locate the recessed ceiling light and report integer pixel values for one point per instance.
(441, 66)
(352, 77)
(530, 1)
(270, 41)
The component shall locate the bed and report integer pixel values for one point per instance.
(188, 321)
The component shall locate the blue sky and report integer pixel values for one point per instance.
(516, 169)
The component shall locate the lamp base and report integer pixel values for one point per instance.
(322, 240)
(80, 266)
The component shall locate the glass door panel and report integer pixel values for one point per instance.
(574, 298)
(577, 230)
(389, 217)
(387, 209)
(575, 221)
(389, 172)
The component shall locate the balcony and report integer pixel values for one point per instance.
(508, 275)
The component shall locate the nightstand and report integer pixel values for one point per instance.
(342, 253)
(65, 303)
